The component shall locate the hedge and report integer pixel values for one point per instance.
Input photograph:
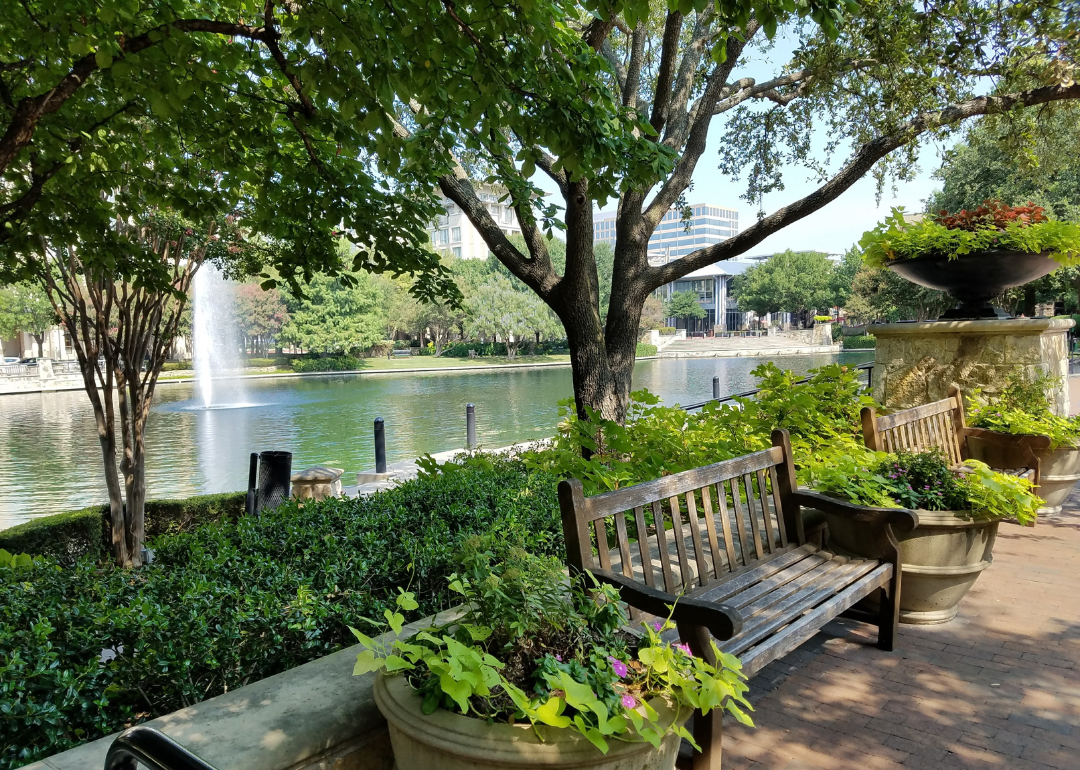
(236, 601)
(645, 349)
(861, 341)
(341, 363)
(67, 537)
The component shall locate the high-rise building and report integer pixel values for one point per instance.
(675, 237)
(453, 232)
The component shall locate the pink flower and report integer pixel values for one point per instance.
(558, 658)
(657, 625)
(628, 701)
(685, 648)
(618, 667)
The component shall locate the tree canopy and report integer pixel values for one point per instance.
(333, 316)
(684, 305)
(25, 308)
(791, 282)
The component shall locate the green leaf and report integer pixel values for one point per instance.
(104, 58)
(367, 662)
(550, 713)
(395, 619)
(459, 692)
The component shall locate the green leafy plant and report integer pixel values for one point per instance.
(1022, 407)
(923, 481)
(529, 647)
(645, 349)
(823, 318)
(951, 236)
(658, 440)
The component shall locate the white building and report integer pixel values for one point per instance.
(56, 345)
(712, 284)
(675, 237)
(453, 233)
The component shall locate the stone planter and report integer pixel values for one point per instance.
(942, 559)
(450, 741)
(1058, 472)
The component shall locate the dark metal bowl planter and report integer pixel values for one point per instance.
(975, 278)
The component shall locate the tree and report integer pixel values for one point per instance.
(497, 309)
(684, 305)
(877, 84)
(121, 300)
(985, 165)
(652, 314)
(25, 308)
(792, 282)
(261, 315)
(333, 316)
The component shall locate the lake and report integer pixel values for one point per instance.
(50, 460)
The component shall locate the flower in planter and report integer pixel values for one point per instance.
(1023, 408)
(923, 481)
(993, 225)
(529, 647)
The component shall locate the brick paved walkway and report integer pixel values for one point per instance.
(998, 687)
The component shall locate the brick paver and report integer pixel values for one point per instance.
(998, 687)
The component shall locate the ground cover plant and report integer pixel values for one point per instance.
(821, 414)
(1022, 407)
(232, 602)
(527, 648)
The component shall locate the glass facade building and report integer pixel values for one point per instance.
(674, 236)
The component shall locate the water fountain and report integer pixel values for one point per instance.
(217, 351)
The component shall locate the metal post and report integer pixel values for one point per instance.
(380, 445)
(253, 480)
(470, 426)
(715, 388)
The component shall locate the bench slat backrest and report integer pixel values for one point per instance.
(688, 529)
(923, 428)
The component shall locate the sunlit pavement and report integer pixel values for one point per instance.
(998, 687)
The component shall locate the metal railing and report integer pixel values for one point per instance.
(868, 367)
(151, 748)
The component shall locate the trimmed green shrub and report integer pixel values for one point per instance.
(645, 349)
(668, 330)
(263, 362)
(461, 349)
(67, 537)
(231, 603)
(342, 363)
(861, 341)
(175, 366)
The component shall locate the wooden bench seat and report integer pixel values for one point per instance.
(725, 546)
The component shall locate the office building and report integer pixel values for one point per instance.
(454, 233)
(676, 237)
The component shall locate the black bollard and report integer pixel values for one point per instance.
(275, 472)
(716, 388)
(380, 445)
(253, 480)
(470, 426)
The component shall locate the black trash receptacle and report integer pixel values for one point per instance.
(275, 470)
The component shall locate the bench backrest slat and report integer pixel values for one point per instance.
(938, 425)
(691, 528)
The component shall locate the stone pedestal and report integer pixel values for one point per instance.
(317, 483)
(916, 362)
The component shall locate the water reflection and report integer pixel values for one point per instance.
(50, 460)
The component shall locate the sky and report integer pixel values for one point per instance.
(832, 229)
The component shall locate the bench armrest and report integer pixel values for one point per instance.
(901, 519)
(723, 621)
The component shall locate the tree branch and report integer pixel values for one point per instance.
(633, 69)
(608, 52)
(863, 160)
(669, 48)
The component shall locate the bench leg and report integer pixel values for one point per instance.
(708, 732)
(708, 729)
(889, 616)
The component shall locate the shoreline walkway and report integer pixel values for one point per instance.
(998, 687)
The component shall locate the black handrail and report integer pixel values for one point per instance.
(153, 749)
(867, 367)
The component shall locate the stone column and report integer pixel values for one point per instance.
(916, 362)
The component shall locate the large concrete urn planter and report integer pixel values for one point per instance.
(449, 741)
(1059, 470)
(942, 559)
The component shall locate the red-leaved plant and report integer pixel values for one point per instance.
(992, 213)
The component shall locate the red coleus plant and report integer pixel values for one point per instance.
(992, 214)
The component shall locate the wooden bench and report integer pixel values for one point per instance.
(725, 546)
(403, 353)
(941, 425)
